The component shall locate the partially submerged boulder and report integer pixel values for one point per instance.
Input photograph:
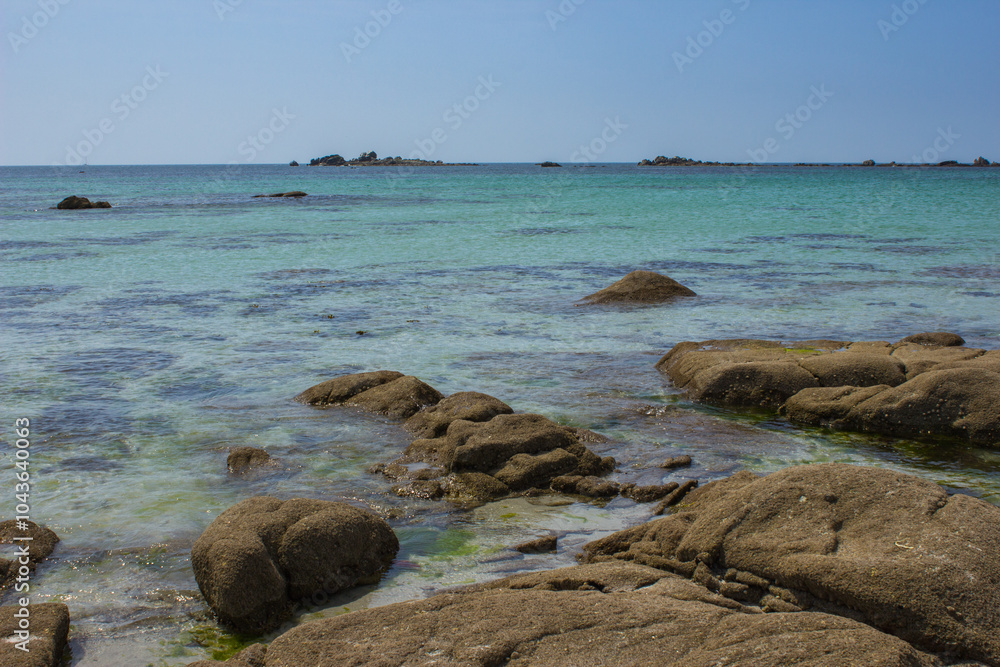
(243, 460)
(39, 541)
(263, 554)
(892, 550)
(43, 642)
(384, 392)
(433, 421)
(639, 287)
(924, 385)
(293, 193)
(614, 614)
(73, 202)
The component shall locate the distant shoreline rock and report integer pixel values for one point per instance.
(642, 287)
(678, 161)
(371, 159)
(293, 193)
(74, 202)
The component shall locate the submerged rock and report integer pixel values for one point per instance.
(74, 202)
(46, 643)
(242, 460)
(924, 385)
(639, 287)
(892, 550)
(605, 614)
(262, 554)
(543, 545)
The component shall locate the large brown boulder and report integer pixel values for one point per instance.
(400, 398)
(433, 421)
(642, 287)
(942, 338)
(339, 389)
(496, 441)
(611, 614)
(262, 554)
(892, 550)
(958, 402)
(763, 384)
(74, 202)
(45, 639)
(855, 369)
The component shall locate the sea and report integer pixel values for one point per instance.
(142, 342)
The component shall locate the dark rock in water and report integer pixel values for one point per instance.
(475, 486)
(339, 389)
(857, 369)
(640, 287)
(39, 540)
(676, 462)
(647, 494)
(527, 471)
(675, 496)
(262, 554)
(242, 460)
(585, 485)
(504, 436)
(868, 163)
(980, 162)
(328, 161)
(74, 202)
(293, 163)
(543, 545)
(766, 384)
(433, 421)
(49, 632)
(948, 163)
(549, 164)
(615, 614)
(400, 398)
(892, 550)
(941, 338)
(293, 193)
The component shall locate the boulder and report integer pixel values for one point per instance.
(339, 389)
(475, 486)
(526, 471)
(242, 460)
(855, 369)
(823, 406)
(549, 164)
(941, 338)
(958, 402)
(761, 384)
(293, 163)
(920, 358)
(433, 421)
(74, 202)
(673, 462)
(868, 163)
(490, 447)
(543, 545)
(612, 614)
(263, 554)
(40, 540)
(980, 162)
(399, 398)
(49, 632)
(642, 287)
(892, 550)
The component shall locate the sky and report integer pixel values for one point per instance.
(269, 81)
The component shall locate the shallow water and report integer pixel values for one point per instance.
(145, 340)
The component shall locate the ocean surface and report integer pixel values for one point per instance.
(144, 341)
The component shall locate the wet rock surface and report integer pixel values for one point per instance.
(924, 385)
(890, 550)
(39, 541)
(261, 555)
(74, 202)
(244, 460)
(639, 287)
(606, 614)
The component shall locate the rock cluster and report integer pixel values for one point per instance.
(822, 564)
(74, 202)
(639, 287)
(924, 385)
(371, 159)
(469, 445)
(262, 555)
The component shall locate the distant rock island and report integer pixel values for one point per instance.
(371, 159)
(678, 161)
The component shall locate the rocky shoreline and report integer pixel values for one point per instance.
(371, 159)
(823, 563)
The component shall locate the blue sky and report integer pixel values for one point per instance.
(268, 81)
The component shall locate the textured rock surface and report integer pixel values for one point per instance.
(41, 544)
(924, 385)
(433, 421)
(242, 460)
(262, 554)
(611, 614)
(74, 202)
(889, 549)
(639, 287)
(49, 630)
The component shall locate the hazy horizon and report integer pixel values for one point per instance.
(263, 82)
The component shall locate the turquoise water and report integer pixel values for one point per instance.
(144, 341)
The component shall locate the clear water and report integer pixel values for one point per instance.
(145, 340)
